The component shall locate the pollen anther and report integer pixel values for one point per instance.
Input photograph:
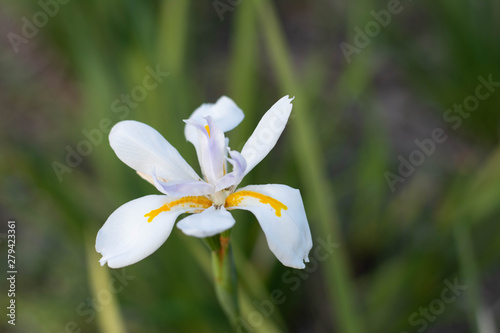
(236, 198)
(186, 202)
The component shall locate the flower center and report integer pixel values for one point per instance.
(219, 198)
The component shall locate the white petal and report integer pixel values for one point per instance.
(284, 222)
(142, 148)
(225, 113)
(267, 133)
(127, 237)
(210, 222)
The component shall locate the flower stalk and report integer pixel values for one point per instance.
(225, 275)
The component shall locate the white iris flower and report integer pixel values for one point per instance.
(138, 228)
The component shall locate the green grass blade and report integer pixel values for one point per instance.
(465, 252)
(318, 194)
(109, 317)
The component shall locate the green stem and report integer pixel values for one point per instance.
(224, 272)
(468, 268)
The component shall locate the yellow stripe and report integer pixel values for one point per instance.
(208, 130)
(236, 198)
(186, 202)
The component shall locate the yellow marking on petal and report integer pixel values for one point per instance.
(208, 130)
(236, 198)
(186, 202)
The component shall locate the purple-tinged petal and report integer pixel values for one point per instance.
(182, 188)
(210, 148)
(236, 175)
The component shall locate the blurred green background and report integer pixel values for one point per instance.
(369, 78)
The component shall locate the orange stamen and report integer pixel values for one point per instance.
(186, 202)
(236, 198)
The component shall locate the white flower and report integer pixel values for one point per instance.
(138, 228)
